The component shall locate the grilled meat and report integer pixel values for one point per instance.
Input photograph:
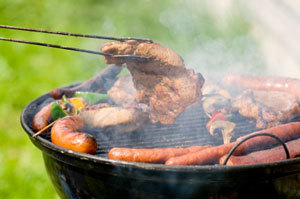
(163, 83)
(269, 108)
(119, 118)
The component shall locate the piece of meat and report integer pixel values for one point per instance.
(119, 118)
(163, 83)
(212, 155)
(164, 60)
(156, 155)
(103, 80)
(285, 84)
(269, 155)
(269, 108)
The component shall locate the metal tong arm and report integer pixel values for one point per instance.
(76, 34)
(136, 58)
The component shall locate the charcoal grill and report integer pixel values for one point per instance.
(78, 175)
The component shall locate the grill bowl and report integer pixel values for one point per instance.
(78, 175)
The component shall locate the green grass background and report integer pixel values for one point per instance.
(26, 72)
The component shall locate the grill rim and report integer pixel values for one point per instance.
(60, 151)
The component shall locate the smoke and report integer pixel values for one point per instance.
(213, 40)
(278, 37)
(215, 57)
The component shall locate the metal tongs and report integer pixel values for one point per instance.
(121, 39)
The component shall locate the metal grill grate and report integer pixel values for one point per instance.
(188, 130)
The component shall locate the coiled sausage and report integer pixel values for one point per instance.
(67, 132)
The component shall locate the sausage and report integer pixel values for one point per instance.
(157, 155)
(269, 155)
(212, 155)
(285, 132)
(206, 156)
(268, 83)
(67, 133)
(98, 83)
(43, 117)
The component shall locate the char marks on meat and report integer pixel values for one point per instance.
(269, 108)
(163, 83)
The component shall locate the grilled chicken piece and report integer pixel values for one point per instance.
(269, 108)
(162, 83)
(119, 118)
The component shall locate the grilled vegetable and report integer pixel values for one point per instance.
(226, 127)
(57, 111)
(215, 103)
(90, 97)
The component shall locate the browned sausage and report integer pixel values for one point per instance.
(285, 132)
(269, 155)
(67, 133)
(43, 117)
(212, 155)
(157, 155)
(290, 85)
(206, 156)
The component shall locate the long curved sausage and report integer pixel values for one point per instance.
(206, 156)
(156, 155)
(285, 132)
(212, 155)
(67, 133)
(286, 84)
(269, 155)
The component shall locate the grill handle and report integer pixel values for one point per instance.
(256, 135)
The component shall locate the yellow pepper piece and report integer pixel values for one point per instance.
(78, 102)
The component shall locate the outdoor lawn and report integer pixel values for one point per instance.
(26, 72)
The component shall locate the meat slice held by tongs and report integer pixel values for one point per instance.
(162, 82)
(159, 74)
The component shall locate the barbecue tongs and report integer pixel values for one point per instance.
(121, 39)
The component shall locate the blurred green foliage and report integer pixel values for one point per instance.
(27, 72)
